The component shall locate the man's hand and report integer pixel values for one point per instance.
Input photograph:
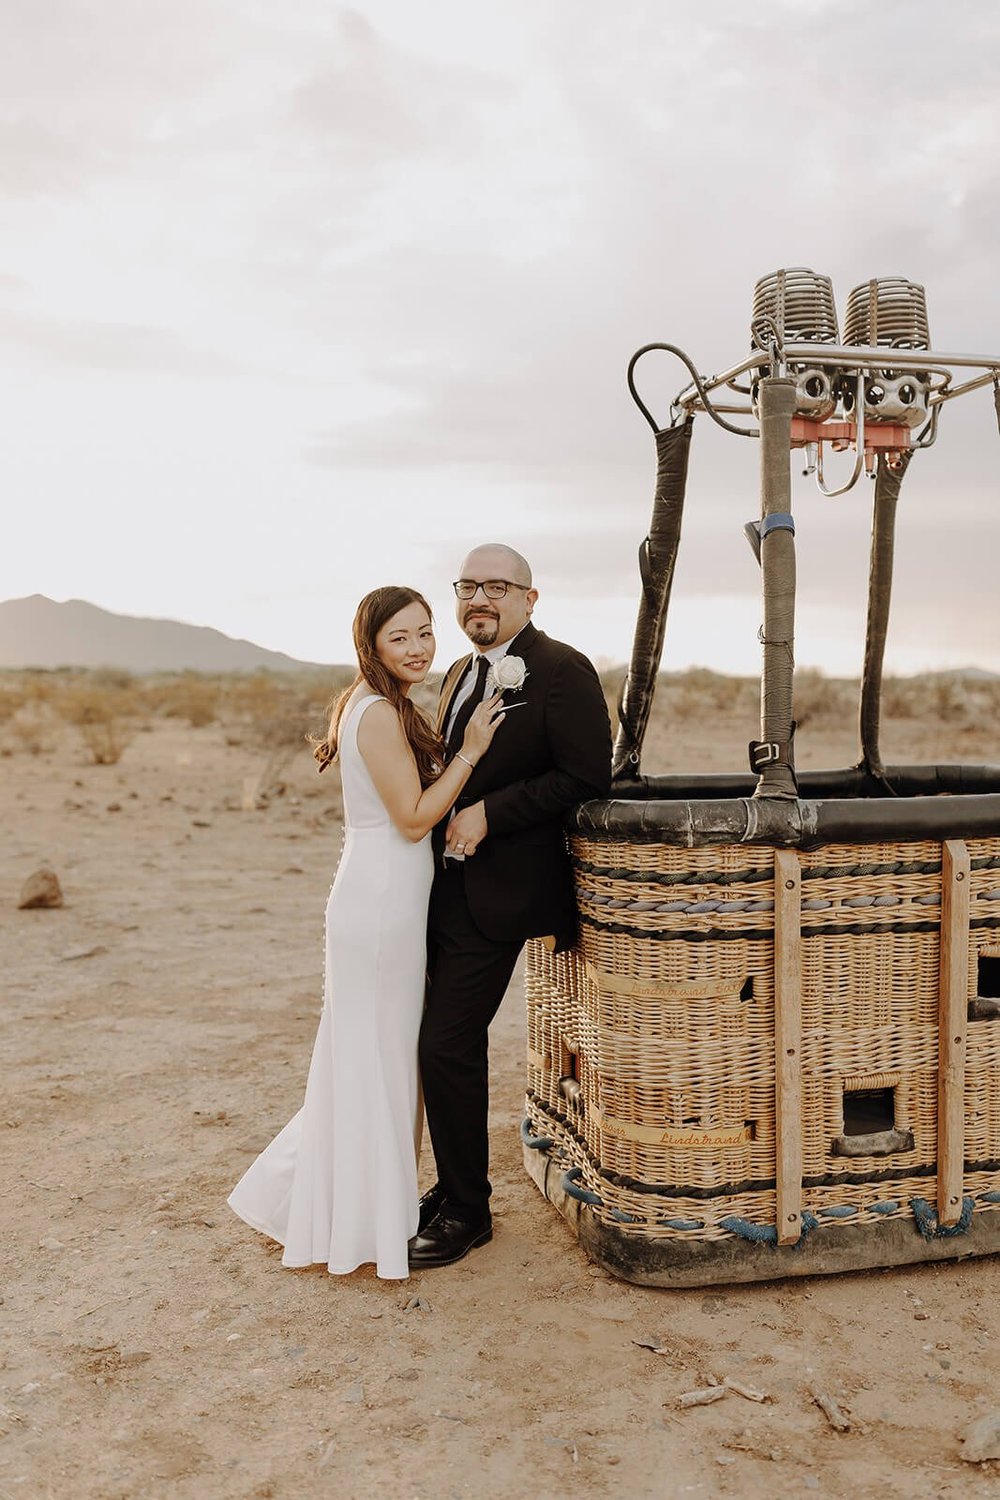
(467, 830)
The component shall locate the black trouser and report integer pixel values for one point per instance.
(468, 976)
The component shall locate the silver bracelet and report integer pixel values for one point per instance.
(470, 763)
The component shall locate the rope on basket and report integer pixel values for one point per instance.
(764, 1234)
(927, 1220)
(534, 1142)
(582, 1195)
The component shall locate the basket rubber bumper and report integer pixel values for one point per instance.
(676, 1262)
(793, 823)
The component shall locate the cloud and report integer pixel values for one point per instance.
(376, 101)
(110, 346)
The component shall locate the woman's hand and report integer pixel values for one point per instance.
(486, 719)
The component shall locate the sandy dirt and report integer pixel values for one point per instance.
(157, 1031)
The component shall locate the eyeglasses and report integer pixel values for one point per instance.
(493, 588)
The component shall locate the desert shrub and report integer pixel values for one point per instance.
(104, 707)
(820, 697)
(12, 697)
(34, 729)
(274, 714)
(901, 698)
(612, 679)
(699, 692)
(193, 696)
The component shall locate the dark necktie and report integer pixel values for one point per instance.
(468, 708)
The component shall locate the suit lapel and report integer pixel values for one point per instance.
(449, 688)
(525, 640)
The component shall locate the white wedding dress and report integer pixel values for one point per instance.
(339, 1184)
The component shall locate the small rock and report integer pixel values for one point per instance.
(49, 1243)
(920, 1317)
(95, 952)
(33, 1385)
(354, 1394)
(724, 1458)
(981, 1440)
(41, 889)
(199, 823)
(810, 1481)
(418, 1304)
(232, 1337)
(114, 807)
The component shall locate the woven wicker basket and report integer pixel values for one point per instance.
(763, 1060)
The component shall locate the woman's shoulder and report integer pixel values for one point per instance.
(374, 715)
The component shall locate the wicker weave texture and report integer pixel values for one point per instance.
(651, 1059)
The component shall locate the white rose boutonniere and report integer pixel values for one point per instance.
(508, 674)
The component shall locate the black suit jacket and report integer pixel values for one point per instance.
(550, 754)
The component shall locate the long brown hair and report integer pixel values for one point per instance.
(374, 611)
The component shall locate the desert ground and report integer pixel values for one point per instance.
(157, 1032)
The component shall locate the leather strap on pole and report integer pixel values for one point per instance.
(657, 559)
(887, 486)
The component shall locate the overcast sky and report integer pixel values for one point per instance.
(299, 298)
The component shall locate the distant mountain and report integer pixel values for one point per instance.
(38, 632)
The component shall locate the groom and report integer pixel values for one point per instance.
(502, 872)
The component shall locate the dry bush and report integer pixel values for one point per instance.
(105, 708)
(612, 680)
(958, 698)
(194, 696)
(274, 714)
(34, 729)
(700, 693)
(12, 697)
(818, 697)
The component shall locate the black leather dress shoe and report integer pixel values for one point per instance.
(431, 1205)
(448, 1239)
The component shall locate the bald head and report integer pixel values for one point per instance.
(499, 561)
(492, 622)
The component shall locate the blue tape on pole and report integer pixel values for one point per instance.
(780, 521)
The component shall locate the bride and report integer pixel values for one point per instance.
(339, 1184)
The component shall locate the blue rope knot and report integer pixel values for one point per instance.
(927, 1220)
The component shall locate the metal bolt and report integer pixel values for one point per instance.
(960, 875)
(952, 1200)
(791, 1051)
(789, 885)
(792, 1218)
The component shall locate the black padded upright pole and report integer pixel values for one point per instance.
(887, 486)
(657, 559)
(772, 755)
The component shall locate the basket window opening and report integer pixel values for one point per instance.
(869, 1111)
(988, 978)
(746, 993)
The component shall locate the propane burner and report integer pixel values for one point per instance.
(887, 312)
(796, 306)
